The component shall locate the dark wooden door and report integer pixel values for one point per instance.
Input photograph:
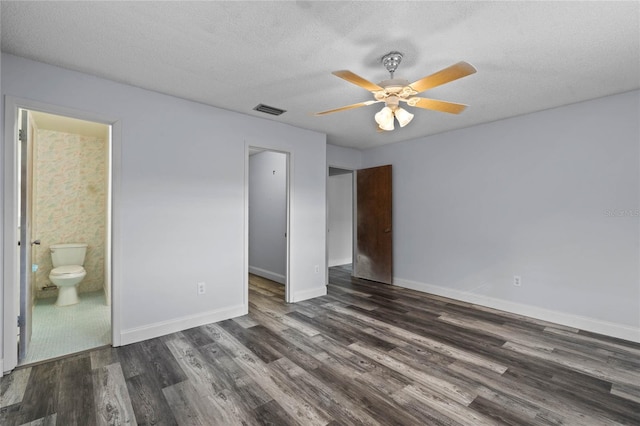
(373, 252)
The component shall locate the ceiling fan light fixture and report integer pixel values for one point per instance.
(404, 117)
(388, 126)
(396, 90)
(384, 118)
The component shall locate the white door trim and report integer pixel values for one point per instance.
(354, 214)
(289, 166)
(10, 225)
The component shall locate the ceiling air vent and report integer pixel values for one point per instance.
(269, 109)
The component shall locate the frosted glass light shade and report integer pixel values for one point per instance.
(384, 118)
(404, 117)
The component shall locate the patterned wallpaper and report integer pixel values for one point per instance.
(69, 202)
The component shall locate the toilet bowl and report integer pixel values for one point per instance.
(67, 279)
(67, 272)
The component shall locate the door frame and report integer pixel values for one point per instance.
(24, 145)
(11, 274)
(354, 213)
(288, 293)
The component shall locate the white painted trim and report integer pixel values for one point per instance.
(309, 294)
(245, 261)
(621, 331)
(279, 278)
(354, 216)
(116, 232)
(10, 226)
(163, 328)
(354, 219)
(326, 227)
(1, 367)
(10, 237)
(288, 284)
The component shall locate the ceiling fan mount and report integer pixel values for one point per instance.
(392, 86)
(396, 90)
(391, 61)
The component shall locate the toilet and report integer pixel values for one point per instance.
(67, 271)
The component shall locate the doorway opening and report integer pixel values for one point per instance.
(268, 225)
(64, 235)
(371, 221)
(340, 218)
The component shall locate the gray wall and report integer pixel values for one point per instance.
(551, 196)
(180, 212)
(343, 158)
(268, 215)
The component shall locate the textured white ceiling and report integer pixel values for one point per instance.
(530, 56)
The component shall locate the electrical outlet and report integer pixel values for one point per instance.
(317, 269)
(517, 280)
(202, 288)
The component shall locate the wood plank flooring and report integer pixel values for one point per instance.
(364, 354)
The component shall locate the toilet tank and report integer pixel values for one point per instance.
(68, 254)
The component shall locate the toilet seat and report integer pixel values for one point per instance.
(61, 271)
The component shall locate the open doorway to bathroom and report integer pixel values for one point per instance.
(64, 187)
(268, 206)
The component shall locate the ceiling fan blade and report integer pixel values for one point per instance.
(454, 72)
(344, 108)
(436, 105)
(357, 80)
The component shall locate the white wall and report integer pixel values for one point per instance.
(340, 219)
(551, 196)
(180, 213)
(268, 215)
(344, 158)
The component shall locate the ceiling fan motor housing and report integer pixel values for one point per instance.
(394, 87)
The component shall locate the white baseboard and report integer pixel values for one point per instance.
(339, 262)
(621, 331)
(158, 329)
(309, 294)
(279, 278)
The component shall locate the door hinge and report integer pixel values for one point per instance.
(21, 135)
(20, 321)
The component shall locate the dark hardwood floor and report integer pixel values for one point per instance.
(364, 354)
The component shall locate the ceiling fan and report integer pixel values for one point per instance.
(396, 90)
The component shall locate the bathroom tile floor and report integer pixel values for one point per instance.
(64, 330)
